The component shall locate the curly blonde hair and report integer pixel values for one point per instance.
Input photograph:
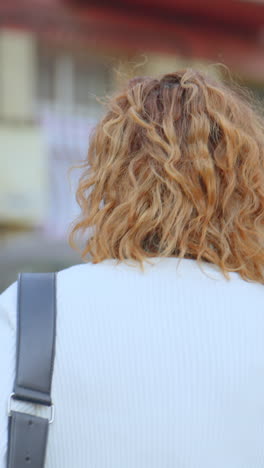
(176, 168)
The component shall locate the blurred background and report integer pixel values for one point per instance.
(56, 57)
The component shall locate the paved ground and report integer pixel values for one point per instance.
(32, 252)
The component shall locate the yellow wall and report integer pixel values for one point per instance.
(23, 163)
(23, 176)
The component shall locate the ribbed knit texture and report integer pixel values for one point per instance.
(161, 369)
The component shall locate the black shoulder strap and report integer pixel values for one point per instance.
(36, 333)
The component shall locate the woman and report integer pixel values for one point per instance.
(160, 349)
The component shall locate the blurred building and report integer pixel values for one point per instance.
(57, 57)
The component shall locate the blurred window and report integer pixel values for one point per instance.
(71, 81)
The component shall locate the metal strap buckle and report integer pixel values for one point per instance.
(12, 396)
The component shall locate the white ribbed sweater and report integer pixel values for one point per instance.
(161, 369)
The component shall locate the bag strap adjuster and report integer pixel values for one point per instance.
(13, 396)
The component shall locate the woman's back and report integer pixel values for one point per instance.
(153, 369)
(161, 369)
